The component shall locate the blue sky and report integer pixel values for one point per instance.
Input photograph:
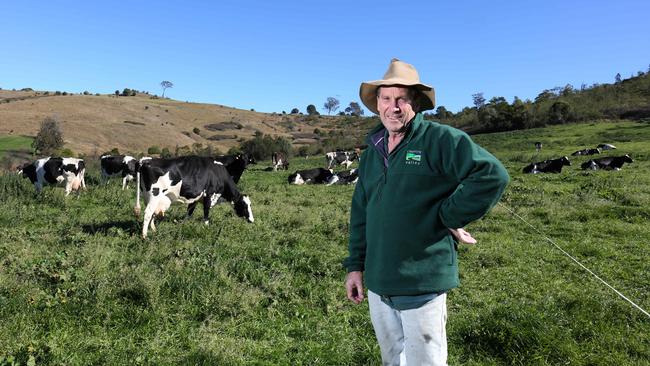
(274, 56)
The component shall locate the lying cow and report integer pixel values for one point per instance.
(186, 179)
(235, 164)
(608, 163)
(340, 158)
(547, 166)
(118, 165)
(56, 170)
(279, 161)
(344, 177)
(606, 147)
(586, 152)
(311, 176)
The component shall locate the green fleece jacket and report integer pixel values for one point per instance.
(403, 204)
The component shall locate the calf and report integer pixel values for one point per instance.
(315, 176)
(118, 165)
(608, 163)
(341, 158)
(235, 164)
(186, 179)
(547, 166)
(586, 152)
(279, 160)
(344, 177)
(56, 170)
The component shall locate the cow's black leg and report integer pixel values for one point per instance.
(206, 208)
(191, 207)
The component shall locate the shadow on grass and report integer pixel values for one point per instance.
(108, 228)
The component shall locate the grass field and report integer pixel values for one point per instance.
(79, 286)
(15, 143)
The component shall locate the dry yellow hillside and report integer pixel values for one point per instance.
(93, 124)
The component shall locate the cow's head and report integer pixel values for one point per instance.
(627, 158)
(243, 208)
(296, 178)
(565, 160)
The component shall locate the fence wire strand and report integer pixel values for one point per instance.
(575, 260)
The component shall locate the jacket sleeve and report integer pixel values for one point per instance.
(357, 244)
(481, 178)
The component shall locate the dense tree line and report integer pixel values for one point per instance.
(627, 99)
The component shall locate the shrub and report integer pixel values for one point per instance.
(65, 153)
(196, 130)
(155, 149)
(49, 137)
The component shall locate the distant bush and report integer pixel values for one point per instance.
(295, 111)
(86, 92)
(165, 153)
(262, 146)
(196, 130)
(57, 93)
(66, 153)
(26, 89)
(153, 150)
(64, 93)
(46, 93)
(49, 137)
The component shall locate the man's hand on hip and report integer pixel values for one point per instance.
(354, 286)
(463, 236)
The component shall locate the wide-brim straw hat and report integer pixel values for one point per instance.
(399, 74)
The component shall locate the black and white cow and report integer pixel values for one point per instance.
(235, 164)
(606, 147)
(344, 177)
(608, 163)
(311, 176)
(547, 166)
(341, 158)
(279, 160)
(118, 165)
(56, 170)
(190, 180)
(586, 152)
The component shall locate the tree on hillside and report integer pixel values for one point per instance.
(311, 110)
(165, 85)
(295, 111)
(479, 100)
(49, 137)
(354, 109)
(331, 105)
(617, 78)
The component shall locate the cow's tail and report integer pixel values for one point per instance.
(137, 209)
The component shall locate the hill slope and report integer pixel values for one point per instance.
(97, 123)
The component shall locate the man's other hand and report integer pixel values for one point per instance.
(354, 286)
(463, 236)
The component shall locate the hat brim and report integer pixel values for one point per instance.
(368, 93)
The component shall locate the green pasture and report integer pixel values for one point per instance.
(15, 143)
(78, 286)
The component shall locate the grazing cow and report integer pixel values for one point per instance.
(608, 163)
(586, 152)
(56, 170)
(235, 164)
(314, 176)
(344, 177)
(547, 166)
(340, 157)
(118, 165)
(279, 160)
(538, 146)
(186, 179)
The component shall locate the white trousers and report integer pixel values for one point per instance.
(415, 337)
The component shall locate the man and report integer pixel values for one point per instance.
(419, 183)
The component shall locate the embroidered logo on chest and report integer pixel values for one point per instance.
(413, 157)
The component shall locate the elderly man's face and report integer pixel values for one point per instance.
(395, 107)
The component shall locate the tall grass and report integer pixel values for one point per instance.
(79, 286)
